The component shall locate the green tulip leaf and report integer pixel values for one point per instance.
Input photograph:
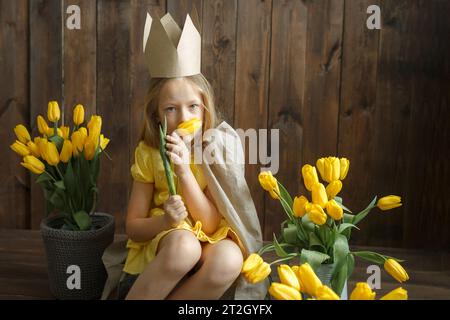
(344, 226)
(278, 249)
(69, 180)
(342, 206)
(58, 141)
(339, 278)
(370, 256)
(308, 225)
(313, 258)
(290, 234)
(348, 218)
(43, 178)
(57, 200)
(340, 252)
(350, 265)
(315, 242)
(60, 185)
(365, 212)
(285, 195)
(83, 220)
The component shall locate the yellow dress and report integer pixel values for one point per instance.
(148, 168)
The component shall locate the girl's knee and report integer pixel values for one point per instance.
(224, 264)
(181, 252)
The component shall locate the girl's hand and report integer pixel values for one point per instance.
(178, 152)
(175, 211)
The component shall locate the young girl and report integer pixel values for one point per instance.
(180, 246)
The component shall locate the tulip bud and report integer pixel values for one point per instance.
(33, 164)
(189, 127)
(283, 292)
(42, 125)
(89, 149)
(34, 149)
(52, 154)
(362, 291)
(42, 145)
(64, 132)
(345, 165)
(326, 293)
(22, 133)
(66, 152)
(397, 294)
(259, 273)
(319, 195)
(269, 183)
(288, 277)
(53, 112)
(396, 270)
(333, 189)
(299, 206)
(253, 261)
(309, 176)
(78, 115)
(21, 149)
(103, 142)
(95, 127)
(78, 140)
(389, 202)
(334, 210)
(317, 215)
(309, 282)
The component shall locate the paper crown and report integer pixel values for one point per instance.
(169, 51)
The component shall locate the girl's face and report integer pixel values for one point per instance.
(179, 101)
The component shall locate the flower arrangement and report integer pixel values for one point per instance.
(316, 232)
(67, 165)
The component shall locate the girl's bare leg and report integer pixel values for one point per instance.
(178, 252)
(221, 264)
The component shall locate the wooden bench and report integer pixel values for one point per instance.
(23, 269)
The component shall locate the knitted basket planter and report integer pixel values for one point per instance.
(75, 266)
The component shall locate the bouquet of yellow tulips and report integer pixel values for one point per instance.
(317, 231)
(66, 164)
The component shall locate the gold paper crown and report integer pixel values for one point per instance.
(169, 51)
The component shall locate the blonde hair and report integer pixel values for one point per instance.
(150, 129)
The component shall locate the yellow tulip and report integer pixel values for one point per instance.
(259, 273)
(345, 165)
(95, 128)
(396, 270)
(295, 269)
(34, 149)
(309, 174)
(78, 140)
(78, 115)
(51, 154)
(389, 202)
(51, 132)
(189, 127)
(103, 142)
(334, 210)
(288, 276)
(42, 144)
(309, 282)
(89, 149)
(83, 131)
(317, 215)
(33, 164)
(66, 152)
(329, 168)
(21, 149)
(397, 294)
(284, 292)
(319, 195)
(333, 189)
(22, 133)
(65, 132)
(42, 125)
(53, 112)
(299, 206)
(362, 291)
(326, 293)
(269, 183)
(253, 261)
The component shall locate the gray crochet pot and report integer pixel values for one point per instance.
(68, 250)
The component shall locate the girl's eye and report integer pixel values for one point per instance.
(170, 109)
(194, 106)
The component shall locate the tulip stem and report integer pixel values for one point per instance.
(48, 173)
(59, 172)
(289, 257)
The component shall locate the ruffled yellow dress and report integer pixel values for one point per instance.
(148, 168)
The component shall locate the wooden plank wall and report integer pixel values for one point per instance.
(309, 68)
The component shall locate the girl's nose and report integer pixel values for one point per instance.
(184, 114)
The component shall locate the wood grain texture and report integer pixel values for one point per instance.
(14, 110)
(252, 81)
(287, 79)
(46, 76)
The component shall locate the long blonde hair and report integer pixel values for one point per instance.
(150, 129)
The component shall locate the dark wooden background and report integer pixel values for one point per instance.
(310, 68)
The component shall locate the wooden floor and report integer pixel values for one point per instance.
(23, 272)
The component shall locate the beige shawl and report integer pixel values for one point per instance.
(223, 167)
